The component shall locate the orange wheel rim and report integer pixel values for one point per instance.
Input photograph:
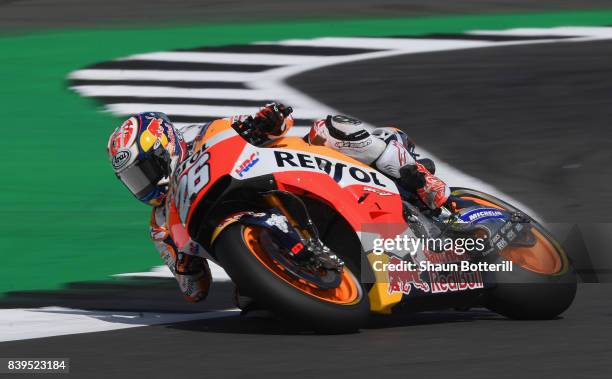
(482, 202)
(543, 257)
(347, 293)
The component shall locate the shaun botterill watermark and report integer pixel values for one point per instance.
(403, 245)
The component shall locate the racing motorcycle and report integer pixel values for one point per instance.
(294, 226)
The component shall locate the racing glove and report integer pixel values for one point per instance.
(270, 120)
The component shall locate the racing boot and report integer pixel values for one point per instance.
(192, 274)
(432, 191)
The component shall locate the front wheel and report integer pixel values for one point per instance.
(342, 309)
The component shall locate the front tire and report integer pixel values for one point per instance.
(257, 275)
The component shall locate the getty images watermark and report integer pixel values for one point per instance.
(437, 254)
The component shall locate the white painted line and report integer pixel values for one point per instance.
(199, 110)
(408, 45)
(229, 58)
(161, 91)
(564, 31)
(28, 323)
(217, 272)
(161, 75)
(155, 272)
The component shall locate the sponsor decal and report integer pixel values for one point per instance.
(336, 170)
(120, 159)
(405, 278)
(278, 221)
(172, 141)
(123, 137)
(455, 281)
(153, 135)
(445, 273)
(297, 248)
(376, 191)
(353, 145)
(506, 234)
(247, 164)
(482, 214)
(443, 257)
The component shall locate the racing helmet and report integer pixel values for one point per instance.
(143, 152)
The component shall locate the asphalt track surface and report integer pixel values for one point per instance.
(459, 344)
(531, 120)
(475, 344)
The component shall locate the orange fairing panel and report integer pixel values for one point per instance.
(221, 158)
(213, 130)
(373, 209)
(362, 194)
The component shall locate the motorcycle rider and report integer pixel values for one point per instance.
(146, 149)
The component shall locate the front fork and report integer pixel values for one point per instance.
(294, 210)
(296, 213)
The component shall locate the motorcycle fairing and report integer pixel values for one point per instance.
(366, 199)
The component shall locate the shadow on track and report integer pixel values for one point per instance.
(274, 326)
(126, 295)
(160, 295)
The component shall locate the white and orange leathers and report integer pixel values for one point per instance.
(195, 286)
(383, 148)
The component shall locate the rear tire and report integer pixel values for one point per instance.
(524, 294)
(256, 280)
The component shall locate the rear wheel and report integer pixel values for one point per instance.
(542, 284)
(258, 275)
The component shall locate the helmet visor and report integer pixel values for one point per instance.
(142, 177)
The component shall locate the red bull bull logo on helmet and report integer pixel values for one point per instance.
(153, 134)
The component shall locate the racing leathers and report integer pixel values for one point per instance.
(188, 264)
(387, 149)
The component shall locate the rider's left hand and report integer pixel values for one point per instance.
(411, 178)
(271, 118)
